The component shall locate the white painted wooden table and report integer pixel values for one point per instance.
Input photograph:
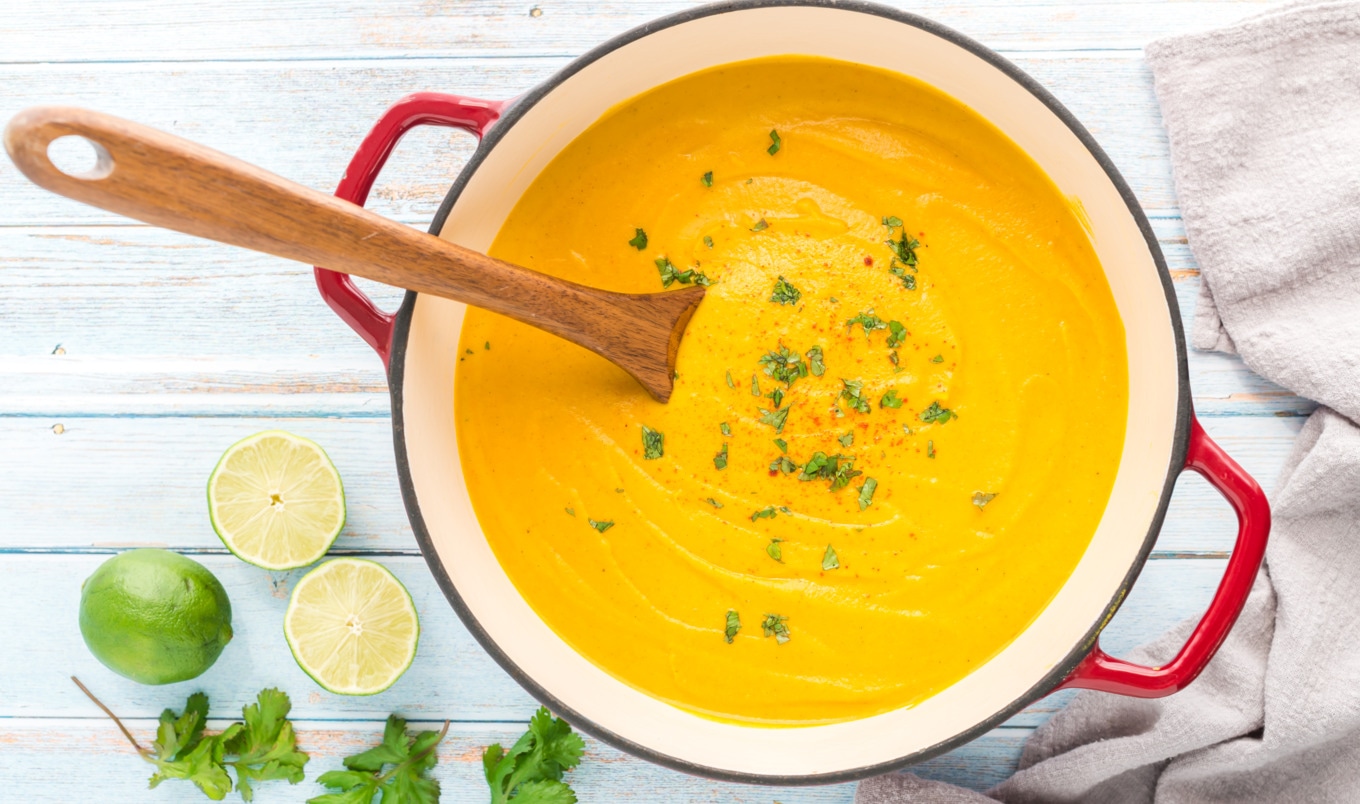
(130, 357)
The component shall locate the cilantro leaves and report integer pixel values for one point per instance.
(852, 391)
(775, 418)
(784, 365)
(784, 293)
(720, 460)
(707, 179)
(868, 320)
(670, 274)
(775, 143)
(531, 771)
(776, 625)
(768, 512)
(866, 493)
(890, 400)
(639, 240)
(653, 443)
(602, 525)
(980, 499)
(733, 625)
(829, 559)
(935, 413)
(903, 250)
(896, 334)
(815, 363)
(404, 782)
(839, 469)
(773, 550)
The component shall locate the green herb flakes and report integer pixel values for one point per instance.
(720, 460)
(725, 428)
(570, 511)
(890, 400)
(775, 418)
(733, 625)
(829, 559)
(773, 549)
(935, 413)
(782, 444)
(980, 499)
(930, 449)
(707, 180)
(730, 383)
(908, 280)
(868, 320)
(848, 439)
(775, 143)
(760, 226)
(671, 275)
(896, 334)
(815, 363)
(783, 464)
(755, 386)
(768, 512)
(784, 365)
(639, 240)
(708, 241)
(714, 503)
(653, 443)
(776, 396)
(487, 346)
(775, 625)
(892, 222)
(866, 493)
(892, 357)
(839, 469)
(602, 525)
(784, 293)
(853, 393)
(903, 248)
(937, 359)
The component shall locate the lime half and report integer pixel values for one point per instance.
(352, 626)
(276, 501)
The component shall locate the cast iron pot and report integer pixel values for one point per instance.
(1058, 650)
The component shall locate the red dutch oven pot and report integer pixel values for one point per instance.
(1060, 650)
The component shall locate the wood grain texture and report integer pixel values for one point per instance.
(451, 676)
(196, 30)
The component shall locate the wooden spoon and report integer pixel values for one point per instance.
(176, 184)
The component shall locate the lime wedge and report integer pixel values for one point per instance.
(352, 626)
(276, 500)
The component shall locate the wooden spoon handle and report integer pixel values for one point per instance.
(173, 183)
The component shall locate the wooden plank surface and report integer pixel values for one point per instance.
(129, 357)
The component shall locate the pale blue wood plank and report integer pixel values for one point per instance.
(451, 677)
(193, 30)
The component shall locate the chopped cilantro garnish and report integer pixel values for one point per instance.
(570, 511)
(720, 460)
(892, 357)
(930, 449)
(784, 293)
(937, 359)
(733, 625)
(904, 248)
(783, 464)
(767, 512)
(848, 439)
(896, 334)
(774, 550)
(776, 396)
(602, 525)
(730, 383)
(908, 280)
(775, 143)
(866, 493)
(868, 320)
(639, 240)
(708, 241)
(653, 443)
(839, 469)
(784, 365)
(775, 418)
(980, 499)
(815, 364)
(892, 222)
(755, 386)
(776, 625)
(853, 393)
(890, 400)
(670, 274)
(714, 503)
(487, 346)
(726, 430)
(782, 444)
(829, 559)
(935, 413)
(708, 182)
(760, 226)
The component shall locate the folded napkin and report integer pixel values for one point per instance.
(1264, 125)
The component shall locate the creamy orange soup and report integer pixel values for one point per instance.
(897, 417)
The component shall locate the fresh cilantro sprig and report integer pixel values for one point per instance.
(531, 771)
(261, 748)
(407, 759)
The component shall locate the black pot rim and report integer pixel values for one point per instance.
(1045, 685)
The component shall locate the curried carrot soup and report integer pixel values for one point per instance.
(898, 412)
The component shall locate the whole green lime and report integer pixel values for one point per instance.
(154, 616)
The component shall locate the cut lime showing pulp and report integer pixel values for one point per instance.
(276, 501)
(352, 626)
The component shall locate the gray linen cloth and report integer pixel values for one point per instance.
(1264, 125)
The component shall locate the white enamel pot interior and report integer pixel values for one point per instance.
(527, 138)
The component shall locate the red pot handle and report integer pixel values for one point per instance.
(1101, 671)
(417, 109)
